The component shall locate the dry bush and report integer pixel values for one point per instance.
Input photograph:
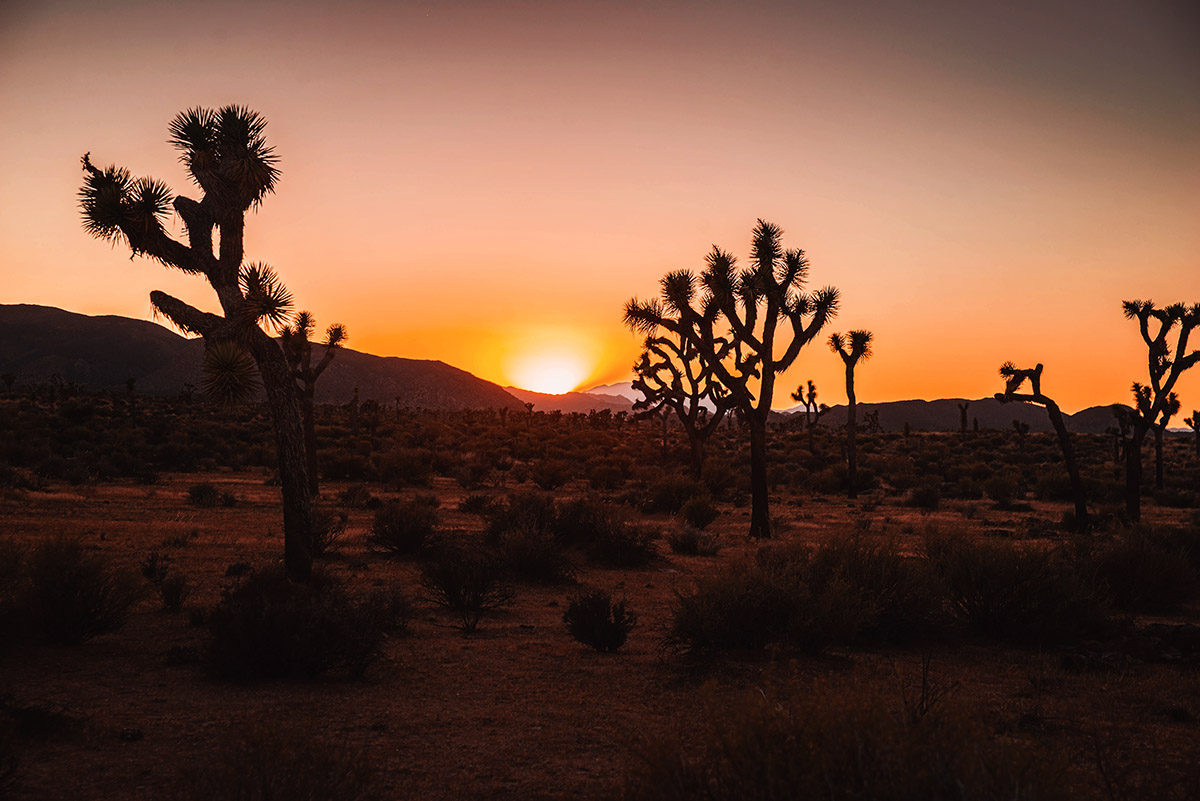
(270, 763)
(406, 526)
(595, 620)
(469, 582)
(69, 595)
(838, 741)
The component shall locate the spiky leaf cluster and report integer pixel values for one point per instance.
(230, 374)
(117, 207)
(226, 153)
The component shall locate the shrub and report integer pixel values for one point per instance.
(477, 504)
(550, 474)
(356, 496)
(404, 527)
(174, 590)
(698, 512)
(1002, 488)
(535, 555)
(693, 542)
(468, 582)
(741, 607)
(927, 495)
(70, 595)
(533, 511)
(841, 742)
(154, 567)
(669, 494)
(1144, 573)
(1027, 595)
(268, 627)
(594, 620)
(264, 763)
(328, 528)
(620, 543)
(204, 495)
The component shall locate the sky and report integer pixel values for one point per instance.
(486, 183)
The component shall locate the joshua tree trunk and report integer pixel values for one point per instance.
(290, 442)
(1158, 457)
(760, 519)
(1082, 520)
(851, 434)
(696, 441)
(1133, 473)
(310, 439)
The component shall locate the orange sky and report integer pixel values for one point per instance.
(464, 180)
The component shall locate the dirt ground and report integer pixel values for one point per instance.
(517, 710)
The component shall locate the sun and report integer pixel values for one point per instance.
(550, 370)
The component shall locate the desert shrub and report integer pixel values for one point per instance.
(404, 526)
(468, 581)
(670, 493)
(621, 543)
(968, 489)
(70, 595)
(840, 742)
(328, 528)
(477, 504)
(268, 627)
(693, 542)
(1142, 572)
(345, 465)
(154, 567)
(1177, 498)
(403, 467)
(265, 763)
(550, 474)
(698, 512)
(740, 607)
(204, 495)
(174, 590)
(1024, 595)
(927, 495)
(593, 619)
(356, 496)
(521, 510)
(535, 555)
(606, 475)
(1002, 488)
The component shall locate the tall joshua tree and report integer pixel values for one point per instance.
(1014, 378)
(735, 319)
(671, 377)
(1166, 364)
(227, 156)
(297, 348)
(853, 348)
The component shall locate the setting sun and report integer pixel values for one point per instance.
(551, 370)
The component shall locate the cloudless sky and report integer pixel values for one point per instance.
(487, 183)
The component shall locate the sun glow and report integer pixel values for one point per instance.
(551, 370)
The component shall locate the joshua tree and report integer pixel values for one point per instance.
(734, 319)
(1166, 364)
(297, 347)
(670, 376)
(1193, 423)
(8, 379)
(1169, 410)
(853, 348)
(812, 410)
(226, 154)
(962, 417)
(1014, 379)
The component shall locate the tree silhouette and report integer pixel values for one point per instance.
(812, 411)
(227, 156)
(1160, 427)
(962, 417)
(670, 376)
(1165, 364)
(734, 319)
(853, 348)
(1193, 423)
(297, 348)
(1014, 379)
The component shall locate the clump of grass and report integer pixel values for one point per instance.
(691, 541)
(595, 620)
(70, 595)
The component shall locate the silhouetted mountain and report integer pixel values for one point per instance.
(623, 389)
(103, 352)
(571, 401)
(943, 415)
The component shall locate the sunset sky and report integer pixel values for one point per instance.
(486, 183)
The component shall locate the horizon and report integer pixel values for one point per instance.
(485, 186)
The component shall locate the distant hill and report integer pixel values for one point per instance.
(943, 415)
(103, 352)
(571, 401)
